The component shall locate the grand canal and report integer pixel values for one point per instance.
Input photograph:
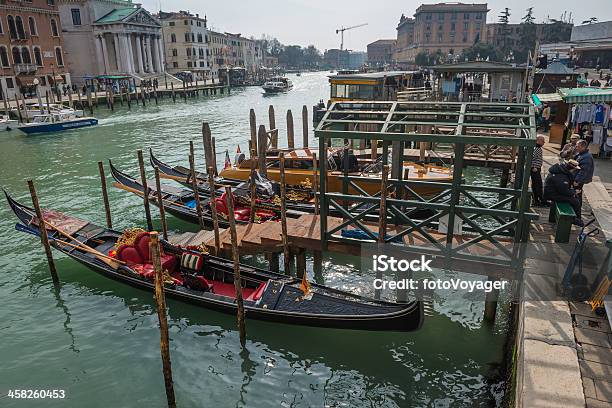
(99, 341)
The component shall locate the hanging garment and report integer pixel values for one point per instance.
(599, 113)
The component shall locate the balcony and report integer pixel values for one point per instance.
(25, 68)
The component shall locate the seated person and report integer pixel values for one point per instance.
(558, 188)
(569, 149)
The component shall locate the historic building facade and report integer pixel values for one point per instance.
(380, 52)
(31, 48)
(111, 37)
(186, 48)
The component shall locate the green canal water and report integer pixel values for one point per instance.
(98, 340)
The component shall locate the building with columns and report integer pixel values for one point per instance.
(31, 48)
(186, 48)
(108, 37)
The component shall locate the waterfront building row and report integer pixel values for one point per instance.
(50, 44)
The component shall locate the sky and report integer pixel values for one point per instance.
(305, 22)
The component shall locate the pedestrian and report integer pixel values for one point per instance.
(546, 117)
(569, 150)
(536, 173)
(558, 188)
(587, 167)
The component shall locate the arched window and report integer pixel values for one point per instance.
(12, 28)
(25, 55)
(38, 57)
(16, 56)
(32, 25)
(54, 31)
(4, 60)
(58, 57)
(20, 30)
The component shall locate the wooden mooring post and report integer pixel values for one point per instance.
(194, 187)
(19, 109)
(145, 187)
(253, 186)
(304, 126)
(160, 301)
(271, 117)
(491, 304)
(262, 148)
(208, 147)
(283, 197)
(107, 211)
(173, 94)
(43, 233)
(213, 209)
(160, 204)
(253, 126)
(89, 102)
(290, 130)
(236, 261)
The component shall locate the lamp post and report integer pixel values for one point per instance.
(36, 82)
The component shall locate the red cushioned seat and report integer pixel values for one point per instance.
(255, 296)
(141, 243)
(129, 254)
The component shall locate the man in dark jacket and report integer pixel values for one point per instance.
(587, 167)
(558, 188)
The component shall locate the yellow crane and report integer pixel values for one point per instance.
(343, 29)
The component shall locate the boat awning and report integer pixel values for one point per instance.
(539, 99)
(586, 95)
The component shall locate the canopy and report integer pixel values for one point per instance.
(586, 95)
(538, 99)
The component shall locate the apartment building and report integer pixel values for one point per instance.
(404, 44)
(31, 48)
(380, 52)
(185, 44)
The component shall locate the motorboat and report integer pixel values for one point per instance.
(56, 122)
(32, 109)
(277, 84)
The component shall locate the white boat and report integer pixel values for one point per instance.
(56, 122)
(277, 84)
(33, 109)
(7, 124)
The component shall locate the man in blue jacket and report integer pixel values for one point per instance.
(558, 188)
(587, 167)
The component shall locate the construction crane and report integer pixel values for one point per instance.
(343, 29)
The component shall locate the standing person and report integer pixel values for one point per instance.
(558, 188)
(569, 150)
(536, 173)
(546, 117)
(587, 167)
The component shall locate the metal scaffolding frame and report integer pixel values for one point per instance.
(497, 216)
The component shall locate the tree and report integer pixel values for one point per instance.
(528, 18)
(504, 19)
(483, 52)
(426, 59)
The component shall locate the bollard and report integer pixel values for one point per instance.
(43, 233)
(109, 223)
(213, 208)
(160, 301)
(145, 187)
(160, 203)
(236, 262)
(286, 254)
(304, 126)
(290, 130)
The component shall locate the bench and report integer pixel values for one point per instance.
(564, 217)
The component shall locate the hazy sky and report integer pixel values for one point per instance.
(307, 22)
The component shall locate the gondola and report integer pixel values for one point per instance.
(204, 280)
(182, 204)
(181, 175)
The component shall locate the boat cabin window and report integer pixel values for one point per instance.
(364, 92)
(292, 164)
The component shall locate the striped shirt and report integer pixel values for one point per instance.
(537, 160)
